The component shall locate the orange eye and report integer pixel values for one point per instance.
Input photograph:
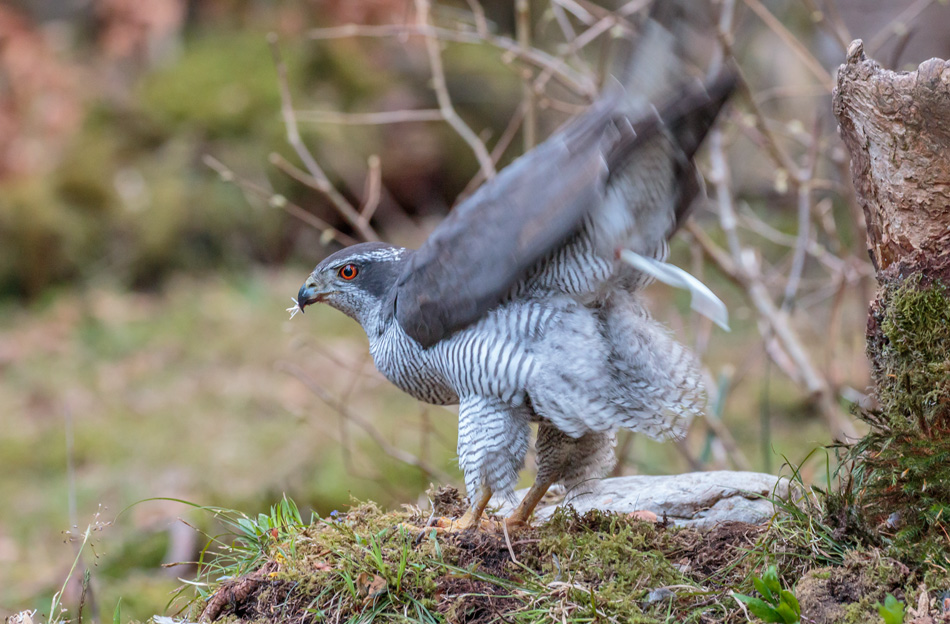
(348, 271)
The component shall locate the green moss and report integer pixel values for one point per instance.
(913, 366)
(621, 558)
(903, 465)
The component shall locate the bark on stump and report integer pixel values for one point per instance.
(897, 127)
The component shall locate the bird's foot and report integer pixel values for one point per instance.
(443, 525)
(484, 524)
(514, 523)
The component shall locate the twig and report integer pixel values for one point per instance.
(377, 437)
(573, 80)
(770, 143)
(897, 26)
(823, 213)
(789, 91)
(830, 21)
(293, 171)
(511, 551)
(561, 106)
(804, 220)
(724, 28)
(564, 23)
(496, 153)
(310, 344)
(713, 419)
(832, 262)
(834, 330)
(577, 10)
(354, 383)
(321, 182)
(278, 201)
(600, 12)
(523, 35)
(481, 24)
(575, 43)
(369, 119)
(445, 102)
(371, 190)
(797, 47)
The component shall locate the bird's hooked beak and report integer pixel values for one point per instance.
(309, 293)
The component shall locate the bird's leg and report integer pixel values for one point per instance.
(472, 517)
(519, 517)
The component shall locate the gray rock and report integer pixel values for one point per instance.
(696, 499)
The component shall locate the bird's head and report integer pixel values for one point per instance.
(357, 280)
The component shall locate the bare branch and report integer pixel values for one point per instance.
(596, 28)
(279, 201)
(595, 11)
(321, 182)
(371, 191)
(833, 263)
(831, 20)
(721, 431)
(573, 80)
(564, 23)
(801, 243)
(496, 153)
(769, 141)
(481, 24)
(804, 220)
(797, 47)
(523, 34)
(445, 102)
(897, 26)
(577, 10)
(369, 119)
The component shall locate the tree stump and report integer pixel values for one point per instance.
(897, 127)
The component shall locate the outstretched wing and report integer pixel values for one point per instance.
(488, 242)
(651, 185)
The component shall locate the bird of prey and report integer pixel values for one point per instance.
(520, 306)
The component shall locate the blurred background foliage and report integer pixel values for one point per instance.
(142, 348)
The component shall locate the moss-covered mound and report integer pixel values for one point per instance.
(367, 565)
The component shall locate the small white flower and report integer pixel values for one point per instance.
(294, 308)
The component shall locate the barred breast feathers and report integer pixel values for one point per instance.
(492, 358)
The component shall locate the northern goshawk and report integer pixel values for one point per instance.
(520, 308)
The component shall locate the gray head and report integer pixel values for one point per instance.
(358, 281)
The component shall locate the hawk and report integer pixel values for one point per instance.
(522, 307)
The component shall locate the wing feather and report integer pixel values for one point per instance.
(651, 185)
(492, 239)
